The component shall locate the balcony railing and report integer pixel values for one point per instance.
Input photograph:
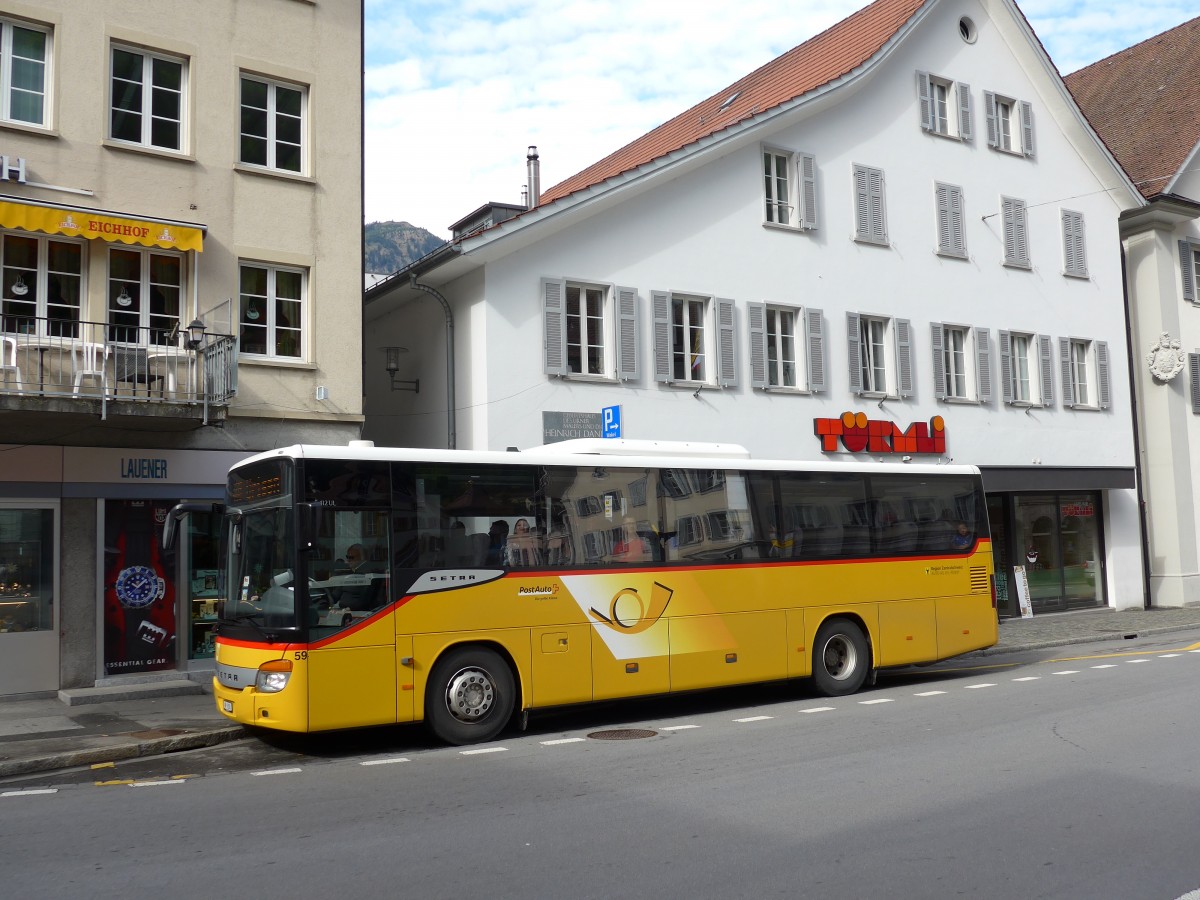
(111, 363)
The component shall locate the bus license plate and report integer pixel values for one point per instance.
(227, 705)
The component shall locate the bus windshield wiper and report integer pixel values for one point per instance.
(254, 622)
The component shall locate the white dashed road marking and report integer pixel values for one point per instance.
(971, 687)
(555, 743)
(678, 727)
(29, 793)
(1066, 672)
(873, 702)
(754, 719)
(482, 750)
(291, 771)
(384, 762)
(813, 709)
(929, 693)
(1029, 678)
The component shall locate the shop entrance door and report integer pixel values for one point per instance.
(28, 590)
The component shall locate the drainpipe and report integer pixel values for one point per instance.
(451, 437)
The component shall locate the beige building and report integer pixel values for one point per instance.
(180, 287)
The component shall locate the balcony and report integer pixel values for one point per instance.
(68, 366)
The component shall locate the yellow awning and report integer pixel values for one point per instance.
(88, 223)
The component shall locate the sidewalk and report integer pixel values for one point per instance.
(93, 726)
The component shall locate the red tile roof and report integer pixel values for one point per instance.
(1145, 104)
(828, 56)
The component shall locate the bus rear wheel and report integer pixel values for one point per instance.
(841, 658)
(470, 696)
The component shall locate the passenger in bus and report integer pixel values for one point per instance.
(497, 538)
(523, 547)
(963, 539)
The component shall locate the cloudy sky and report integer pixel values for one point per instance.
(456, 90)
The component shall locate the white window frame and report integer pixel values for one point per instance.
(768, 348)
(951, 220)
(710, 360)
(880, 355)
(1033, 383)
(870, 206)
(789, 189)
(7, 58)
(149, 331)
(1009, 124)
(962, 369)
(1074, 245)
(1085, 373)
(40, 323)
(273, 116)
(620, 331)
(1015, 219)
(945, 107)
(271, 325)
(146, 139)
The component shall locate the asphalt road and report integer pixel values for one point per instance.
(1026, 776)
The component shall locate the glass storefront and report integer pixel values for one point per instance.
(26, 570)
(1057, 538)
(199, 587)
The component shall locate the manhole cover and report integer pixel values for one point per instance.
(159, 733)
(622, 734)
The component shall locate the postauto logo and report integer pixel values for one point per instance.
(630, 613)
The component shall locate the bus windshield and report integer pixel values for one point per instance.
(262, 567)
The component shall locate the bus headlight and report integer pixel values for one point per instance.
(273, 676)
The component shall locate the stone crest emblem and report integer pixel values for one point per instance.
(1165, 359)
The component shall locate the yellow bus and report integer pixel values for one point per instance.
(367, 585)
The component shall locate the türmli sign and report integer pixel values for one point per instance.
(855, 433)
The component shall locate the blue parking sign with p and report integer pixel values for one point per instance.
(610, 422)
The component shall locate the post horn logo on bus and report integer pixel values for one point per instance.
(856, 433)
(628, 612)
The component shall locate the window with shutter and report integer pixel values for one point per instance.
(1194, 374)
(727, 375)
(1045, 369)
(814, 334)
(688, 348)
(1009, 124)
(880, 355)
(983, 365)
(944, 106)
(756, 326)
(628, 332)
(1016, 233)
(951, 233)
(554, 334)
(870, 216)
(1074, 252)
(789, 189)
(1188, 255)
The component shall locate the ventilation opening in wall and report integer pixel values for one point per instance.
(966, 30)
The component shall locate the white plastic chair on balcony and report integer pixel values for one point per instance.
(8, 362)
(88, 361)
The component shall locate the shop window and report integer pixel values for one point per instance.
(26, 570)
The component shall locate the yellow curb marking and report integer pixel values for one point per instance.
(111, 783)
(107, 765)
(1141, 652)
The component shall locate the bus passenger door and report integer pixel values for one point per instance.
(562, 665)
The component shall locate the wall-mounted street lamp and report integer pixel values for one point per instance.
(393, 366)
(195, 338)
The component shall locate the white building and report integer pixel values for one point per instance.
(1143, 102)
(897, 239)
(164, 165)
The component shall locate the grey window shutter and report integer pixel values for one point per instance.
(924, 96)
(1104, 389)
(806, 164)
(1187, 266)
(1006, 367)
(1046, 367)
(936, 335)
(628, 367)
(993, 120)
(983, 365)
(1016, 232)
(966, 125)
(554, 333)
(904, 357)
(958, 233)
(1068, 381)
(661, 301)
(727, 375)
(854, 351)
(878, 211)
(942, 198)
(862, 203)
(1194, 371)
(814, 333)
(1027, 128)
(756, 325)
(1074, 253)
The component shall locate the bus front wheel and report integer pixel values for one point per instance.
(470, 696)
(841, 658)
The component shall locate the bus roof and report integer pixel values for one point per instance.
(626, 455)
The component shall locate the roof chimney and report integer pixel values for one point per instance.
(535, 178)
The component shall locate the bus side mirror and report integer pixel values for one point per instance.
(178, 511)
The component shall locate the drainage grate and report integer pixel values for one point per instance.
(622, 734)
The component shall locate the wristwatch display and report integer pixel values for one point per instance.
(138, 586)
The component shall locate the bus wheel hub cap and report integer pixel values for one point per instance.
(470, 695)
